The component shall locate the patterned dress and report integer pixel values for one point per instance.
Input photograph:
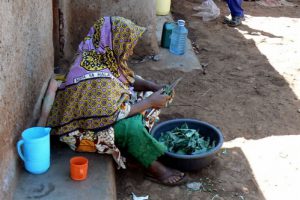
(98, 92)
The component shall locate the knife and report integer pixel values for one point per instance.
(167, 90)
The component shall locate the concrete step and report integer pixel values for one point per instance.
(57, 184)
(186, 62)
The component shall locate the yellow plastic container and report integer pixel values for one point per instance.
(163, 7)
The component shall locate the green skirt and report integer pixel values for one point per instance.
(131, 134)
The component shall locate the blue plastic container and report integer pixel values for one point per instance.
(34, 149)
(178, 38)
(166, 34)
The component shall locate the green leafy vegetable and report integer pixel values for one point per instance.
(167, 90)
(182, 140)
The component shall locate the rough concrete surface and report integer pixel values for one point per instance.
(26, 54)
(186, 62)
(57, 184)
(80, 15)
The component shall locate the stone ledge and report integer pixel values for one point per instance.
(186, 63)
(56, 183)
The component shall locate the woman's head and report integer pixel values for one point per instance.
(125, 36)
(108, 45)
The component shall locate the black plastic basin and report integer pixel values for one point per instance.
(189, 162)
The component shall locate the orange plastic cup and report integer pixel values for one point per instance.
(78, 168)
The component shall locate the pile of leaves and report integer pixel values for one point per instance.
(183, 140)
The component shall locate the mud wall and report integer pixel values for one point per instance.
(79, 16)
(26, 62)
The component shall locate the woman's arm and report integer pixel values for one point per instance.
(48, 101)
(156, 100)
(144, 85)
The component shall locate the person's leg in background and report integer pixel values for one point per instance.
(237, 13)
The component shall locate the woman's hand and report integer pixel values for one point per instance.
(158, 100)
(155, 100)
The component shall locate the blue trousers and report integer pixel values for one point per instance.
(235, 7)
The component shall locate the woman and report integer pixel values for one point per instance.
(97, 106)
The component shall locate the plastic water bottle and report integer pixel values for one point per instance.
(178, 38)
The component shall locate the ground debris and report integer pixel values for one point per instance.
(194, 186)
(145, 58)
(209, 185)
(195, 48)
(217, 197)
(204, 64)
(204, 67)
(134, 197)
(224, 152)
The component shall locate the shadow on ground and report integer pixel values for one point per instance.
(216, 180)
(239, 91)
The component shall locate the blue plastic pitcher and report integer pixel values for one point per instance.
(35, 144)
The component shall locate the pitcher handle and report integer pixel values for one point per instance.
(21, 142)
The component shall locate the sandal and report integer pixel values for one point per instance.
(165, 179)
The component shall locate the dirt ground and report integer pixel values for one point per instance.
(248, 89)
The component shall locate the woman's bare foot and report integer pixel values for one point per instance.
(159, 173)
